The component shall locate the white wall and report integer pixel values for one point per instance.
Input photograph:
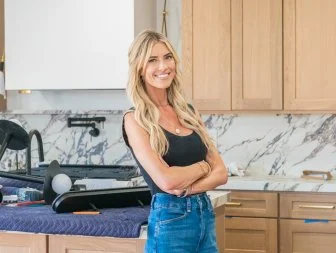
(94, 99)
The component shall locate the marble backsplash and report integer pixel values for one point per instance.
(263, 144)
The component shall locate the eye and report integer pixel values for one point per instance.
(152, 60)
(169, 57)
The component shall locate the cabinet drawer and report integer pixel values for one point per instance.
(251, 235)
(252, 204)
(308, 206)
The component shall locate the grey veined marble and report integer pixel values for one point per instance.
(263, 144)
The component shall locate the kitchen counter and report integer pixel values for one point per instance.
(52, 243)
(279, 183)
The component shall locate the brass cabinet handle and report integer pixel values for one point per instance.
(232, 204)
(316, 207)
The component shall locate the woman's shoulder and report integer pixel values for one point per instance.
(130, 125)
(129, 116)
(131, 109)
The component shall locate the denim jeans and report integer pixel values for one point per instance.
(181, 225)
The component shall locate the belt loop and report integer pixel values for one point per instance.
(152, 201)
(188, 199)
(208, 201)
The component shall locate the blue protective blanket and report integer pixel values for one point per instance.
(114, 222)
(19, 183)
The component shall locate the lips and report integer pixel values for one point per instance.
(162, 76)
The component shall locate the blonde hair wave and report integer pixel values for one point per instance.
(146, 112)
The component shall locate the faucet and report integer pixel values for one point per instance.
(39, 146)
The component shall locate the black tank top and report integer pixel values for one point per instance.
(183, 151)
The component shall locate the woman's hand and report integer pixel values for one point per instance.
(176, 192)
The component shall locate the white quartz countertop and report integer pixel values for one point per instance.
(278, 183)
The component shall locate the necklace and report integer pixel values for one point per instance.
(177, 129)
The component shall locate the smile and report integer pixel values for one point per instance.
(162, 76)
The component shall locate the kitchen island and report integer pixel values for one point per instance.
(11, 241)
(280, 214)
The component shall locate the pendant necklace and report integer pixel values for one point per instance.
(177, 129)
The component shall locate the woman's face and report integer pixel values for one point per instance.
(160, 69)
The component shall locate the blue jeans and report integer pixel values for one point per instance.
(181, 225)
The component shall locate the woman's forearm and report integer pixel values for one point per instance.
(180, 177)
(216, 178)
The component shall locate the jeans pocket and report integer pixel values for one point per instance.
(170, 215)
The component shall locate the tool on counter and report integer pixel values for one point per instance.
(315, 174)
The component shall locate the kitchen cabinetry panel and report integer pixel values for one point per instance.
(309, 55)
(308, 237)
(86, 244)
(308, 206)
(206, 53)
(251, 222)
(23, 243)
(232, 58)
(252, 204)
(256, 54)
(250, 235)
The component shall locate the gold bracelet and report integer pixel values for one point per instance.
(202, 168)
(209, 168)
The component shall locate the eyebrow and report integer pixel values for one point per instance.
(154, 56)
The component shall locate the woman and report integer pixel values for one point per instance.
(173, 150)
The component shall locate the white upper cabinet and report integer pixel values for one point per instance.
(72, 44)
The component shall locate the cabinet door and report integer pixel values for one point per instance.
(309, 54)
(256, 54)
(22, 243)
(251, 235)
(206, 53)
(87, 244)
(308, 237)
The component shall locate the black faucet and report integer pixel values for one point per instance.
(39, 146)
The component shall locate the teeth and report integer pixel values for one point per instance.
(162, 75)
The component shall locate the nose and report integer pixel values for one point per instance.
(162, 65)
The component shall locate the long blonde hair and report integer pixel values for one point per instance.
(146, 112)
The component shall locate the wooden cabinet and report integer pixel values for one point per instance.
(250, 235)
(88, 244)
(232, 54)
(207, 53)
(309, 55)
(307, 222)
(256, 44)
(251, 223)
(254, 54)
(307, 237)
(284, 222)
(22, 243)
(308, 206)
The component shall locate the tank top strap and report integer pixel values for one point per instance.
(124, 134)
